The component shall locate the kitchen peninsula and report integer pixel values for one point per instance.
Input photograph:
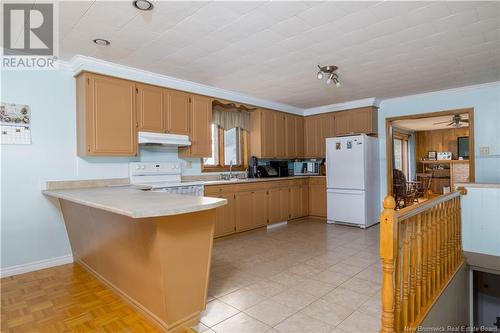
(152, 248)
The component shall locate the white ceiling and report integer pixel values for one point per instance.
(270, 50)
(428, 124)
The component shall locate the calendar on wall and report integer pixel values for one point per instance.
(15, 122)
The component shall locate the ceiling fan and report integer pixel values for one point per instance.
(456, 121)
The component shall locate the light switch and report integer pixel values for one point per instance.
(483, 151)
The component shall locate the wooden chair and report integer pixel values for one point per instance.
(424, 184)
(404, 192)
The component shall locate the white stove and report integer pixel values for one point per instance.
(162, 177)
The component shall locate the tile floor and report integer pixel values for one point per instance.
(306, 276)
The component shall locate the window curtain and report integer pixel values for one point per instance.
(230, 117)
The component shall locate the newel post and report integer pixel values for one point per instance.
(388, 248)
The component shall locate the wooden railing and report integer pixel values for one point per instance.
(421, 249)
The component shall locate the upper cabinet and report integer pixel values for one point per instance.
(151, 112)
(349, 122)
(276, 134)
(200, 115)
(106, 116)
(178, 111)
(294, 136)
(356, 121)
(162, 110)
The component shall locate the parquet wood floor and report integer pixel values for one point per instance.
(65, 299)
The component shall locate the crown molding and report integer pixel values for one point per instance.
(445, 91)
(81, 63)
(342, 106)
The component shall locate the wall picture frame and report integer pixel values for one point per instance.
(432, 155)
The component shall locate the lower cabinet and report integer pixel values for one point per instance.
(244, 208)
(317, 197)
(259, 208)
(225, 222)
(274, 207)
(255, 205)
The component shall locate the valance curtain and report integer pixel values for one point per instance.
(228, 118)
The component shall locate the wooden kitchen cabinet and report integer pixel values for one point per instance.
(200, 115)
(244, 216)
(178, 111)
(151, 113)
(290, 137)
(274, 206)
(299, 137)
(259, 207)
(106, 116)
(356, 121)
(279, 135)
(304, 203)
(317, 197)
(225, 217)
(162, 110)
(295, 201)
(294, 136)
(268, 135)
(316, 129)
(284, 203)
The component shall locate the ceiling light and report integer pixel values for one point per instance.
(102, 42)
(329, 71)
(330, 79)
(143, 4)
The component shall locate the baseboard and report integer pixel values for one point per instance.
(35, 265)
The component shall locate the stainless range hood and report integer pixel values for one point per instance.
(164, 139)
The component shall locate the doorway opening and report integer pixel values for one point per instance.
(428, 153)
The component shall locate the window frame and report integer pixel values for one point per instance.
(220, 167)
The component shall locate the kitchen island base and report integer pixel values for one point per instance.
(160, 265)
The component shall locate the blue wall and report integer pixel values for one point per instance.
(485, 99)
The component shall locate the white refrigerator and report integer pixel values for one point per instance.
(352, 180)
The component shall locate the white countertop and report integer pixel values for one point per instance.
(128, 201)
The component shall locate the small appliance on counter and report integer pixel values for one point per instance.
(252, 167)
(266, 171)
(281, 167)
(306, 168)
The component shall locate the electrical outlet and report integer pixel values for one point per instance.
(483, 151)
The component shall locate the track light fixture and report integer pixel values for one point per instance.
(329, 71)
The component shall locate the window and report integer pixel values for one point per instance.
(401, 156)
(228, 148)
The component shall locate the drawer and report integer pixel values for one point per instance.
(317, 181)
(218, 189)
(251, 186)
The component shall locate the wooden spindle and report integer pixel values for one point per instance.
(388, 254)
(419, 265)
(438, 245)
(425, 257)
(405, 277)
(413, 259)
